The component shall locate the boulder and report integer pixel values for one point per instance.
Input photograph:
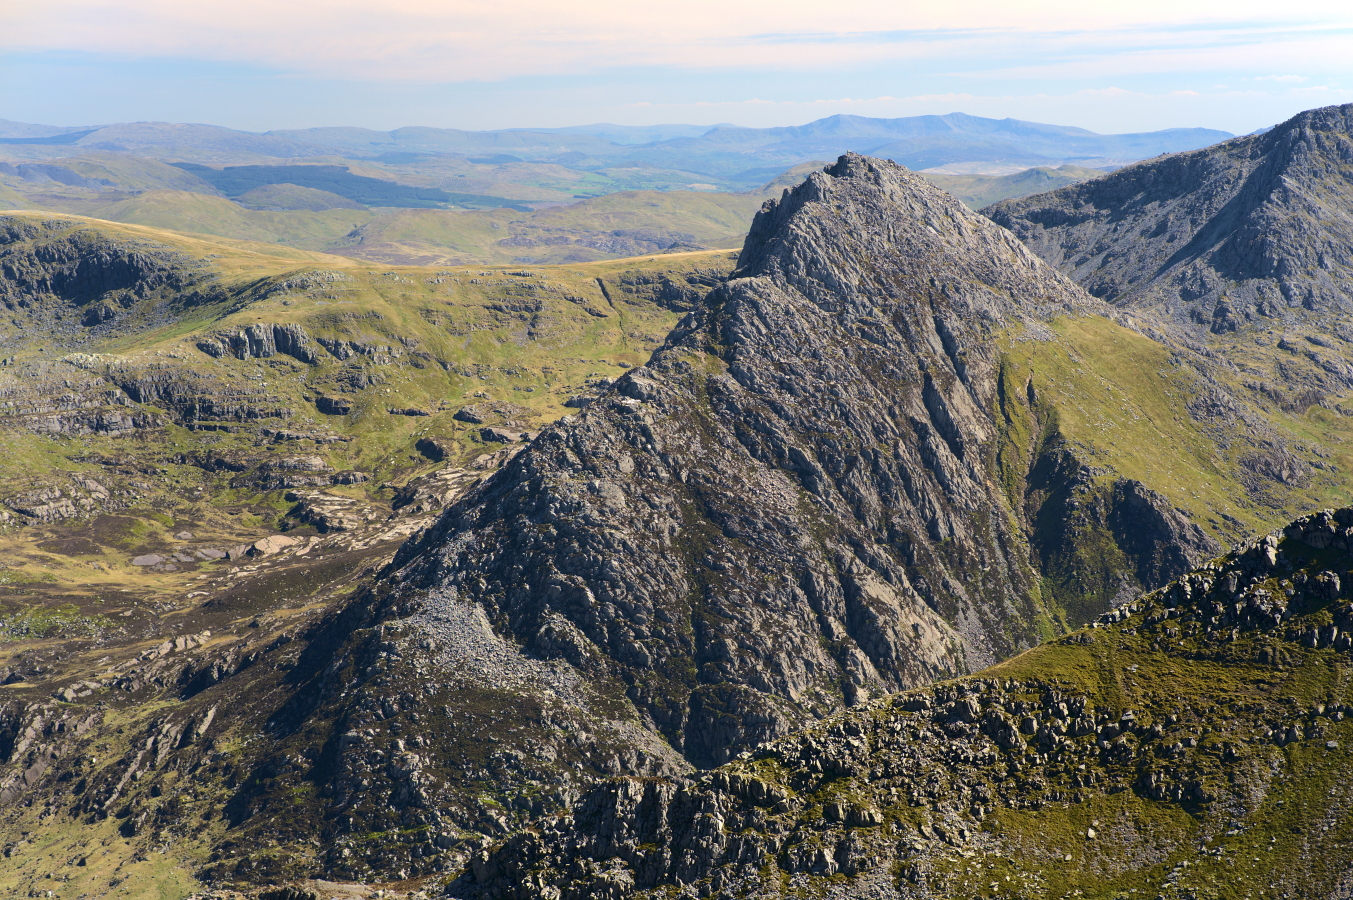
(271, 545)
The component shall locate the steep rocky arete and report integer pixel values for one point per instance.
(791, 508)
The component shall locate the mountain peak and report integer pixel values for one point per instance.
(864, 221)
(788, 509)
(1253, 229)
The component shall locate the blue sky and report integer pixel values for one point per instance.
(261, 64)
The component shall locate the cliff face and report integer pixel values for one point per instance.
(790, 506)
(69, 280)
(1076, 770)
(1256, 229)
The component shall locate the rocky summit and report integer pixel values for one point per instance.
(792, 508)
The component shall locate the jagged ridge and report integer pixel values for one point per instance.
(790, 508)
(1253, 229)
(778, 477)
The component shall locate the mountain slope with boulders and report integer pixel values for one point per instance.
(1194, 743)
(205, 447)
(894, 448)
(805, 462)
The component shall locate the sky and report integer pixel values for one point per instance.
(256, 65)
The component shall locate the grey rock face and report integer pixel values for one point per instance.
(1159, 537)
(1248, 230)
(59, 274)
(1098, 542)
(885, 799)
(260, 342)
(789, 507)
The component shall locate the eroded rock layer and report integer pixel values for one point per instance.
(790, 507)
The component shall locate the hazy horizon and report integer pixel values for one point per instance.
(253, 66)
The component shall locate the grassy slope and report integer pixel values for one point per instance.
(136, 173)
(435, 237)
(531, 339)
(292, 197)
(205, 214)
(1122, 398)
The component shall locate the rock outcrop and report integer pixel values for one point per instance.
(788, 508)
(1255, 229)
(1033, 781)
(260, 342)
(62, 276)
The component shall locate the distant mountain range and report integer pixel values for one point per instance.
(346, 190)
(743, 156)
(883, 558)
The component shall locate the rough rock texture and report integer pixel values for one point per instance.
(789, 508)
(1244, 231)
(1039, 781)
(260, 342)
(1101, 541)
(63, 276)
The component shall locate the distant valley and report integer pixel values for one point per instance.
(344, 190)
(959, 535)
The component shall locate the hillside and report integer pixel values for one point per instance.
(614, 225)
(321, 568)
(605, 605)
(1192, 744)
(208, 443)
(1251, 233)
(1237, 256)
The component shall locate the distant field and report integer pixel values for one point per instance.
(403, 211)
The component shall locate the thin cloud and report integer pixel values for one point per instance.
(433, 41)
